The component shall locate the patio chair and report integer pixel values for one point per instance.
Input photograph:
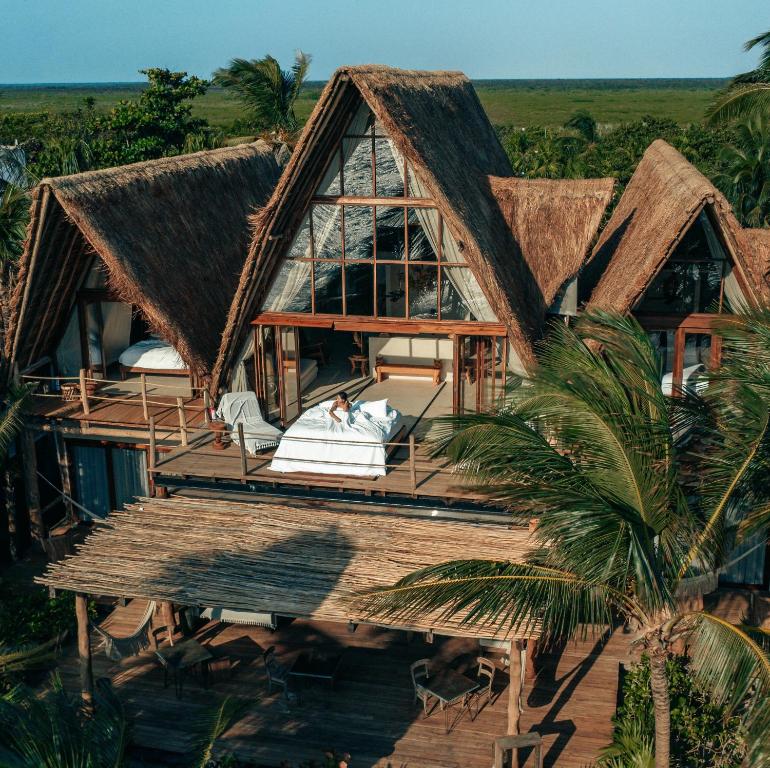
(277, 673)
(485, 676)
(243, 408)
(419, 671)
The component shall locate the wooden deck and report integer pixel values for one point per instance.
(370, 714)
(432, 478)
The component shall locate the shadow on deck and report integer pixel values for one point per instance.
(371, 713)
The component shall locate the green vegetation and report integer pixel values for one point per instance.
(633, 491)
(702, 734)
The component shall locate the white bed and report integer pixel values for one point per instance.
(318, 444)
(152, 356)
(693, 378)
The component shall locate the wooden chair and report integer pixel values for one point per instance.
(485, 676)
(419, 671)
(277, 673)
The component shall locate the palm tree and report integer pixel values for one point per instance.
(749, 93)
(746, 175)
(632, 491)
(265, 90)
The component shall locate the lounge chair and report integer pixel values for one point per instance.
(243, 408)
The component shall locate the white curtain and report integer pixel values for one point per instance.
(90, 469)
(732, 292)
(461, 278)
(240, 382)
(129, 470)
(69, 358)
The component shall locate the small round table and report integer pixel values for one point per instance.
(218, 428)
(359, 362)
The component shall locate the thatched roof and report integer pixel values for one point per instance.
(293, 561)
(554, 223)
(172, 235)
(756, 251)
(663, 198)
(437, 122)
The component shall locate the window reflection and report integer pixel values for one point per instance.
(327, 231)
(423, 291)
(391, 290)
(391, 243)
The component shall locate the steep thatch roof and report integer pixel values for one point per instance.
(171, 233)
(437, 122)
(554, 223)
(756, 251)
(663, 198)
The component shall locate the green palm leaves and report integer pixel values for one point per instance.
(265, 90)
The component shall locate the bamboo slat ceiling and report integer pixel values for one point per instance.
(304, 563)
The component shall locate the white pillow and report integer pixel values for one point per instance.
(377, 409)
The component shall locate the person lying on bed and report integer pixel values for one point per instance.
(341, 403)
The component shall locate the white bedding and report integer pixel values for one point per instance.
(152, 353)
(317, 443)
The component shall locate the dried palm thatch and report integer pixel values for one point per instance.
(297, 562)
(437, 122)
(171, 234)
(554, 223)
(662, 200)
(756, 252)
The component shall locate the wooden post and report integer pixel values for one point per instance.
(10, 511)
(529, 666)
(84, 652)
(84, 392)
(167, 611)
(514, 690)
(242, 446)
(64, 472)
(182, 419)
(412, 465)
(152, 443)
(206, 406)
(145, 411)
(31, 487)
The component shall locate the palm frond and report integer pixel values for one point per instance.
(212, 724)
(513, 597)
(739, 101)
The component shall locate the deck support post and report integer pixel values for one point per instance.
(10, 511)
(514, 690)
(529, 664)
(206, 406)
(242, 446)
(412, 465)
(145, 411)
(84, 392)
(31, 486)
(182, 419)
(84, 653)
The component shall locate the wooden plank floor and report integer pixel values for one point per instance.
(371, 713)
(435, 478)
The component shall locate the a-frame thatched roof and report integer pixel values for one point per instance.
(437, 122)
(663, 198)
(172, 235)
(756, 251)
(554, 223)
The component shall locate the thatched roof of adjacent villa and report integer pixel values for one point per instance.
(662, 200)
(756, 249)
(437, 123)
(172, 235)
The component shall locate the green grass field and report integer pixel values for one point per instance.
(508, 102)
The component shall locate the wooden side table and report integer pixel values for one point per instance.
(359, 362)
(218, 428)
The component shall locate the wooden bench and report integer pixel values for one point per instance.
(428, 370)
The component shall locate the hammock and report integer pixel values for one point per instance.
(118, 648)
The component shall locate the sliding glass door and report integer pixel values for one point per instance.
(278, 372)
(480, 366)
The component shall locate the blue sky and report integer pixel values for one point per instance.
(109, 40)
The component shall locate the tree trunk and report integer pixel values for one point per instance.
(662, 707)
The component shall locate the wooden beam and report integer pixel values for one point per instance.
(84, 652)
(182, 419)
(84, 392)
(514, 690)
(242, 448)
(412, 465)
(31, 486)
(145, 412)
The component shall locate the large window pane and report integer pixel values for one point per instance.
(327, 231)
(390, 181)
(681, 288)
(423, 291)
(290, 291)
(328, 288)
(663, 342)
(359, 232)
(462, 297)
(391, 243)
(300, 246)
(357, 176)
(696, 361)
(359, 289)
(391, 291)
(423, 227)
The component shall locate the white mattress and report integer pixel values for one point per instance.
(316, 443)
(152, 353)
(693, 378)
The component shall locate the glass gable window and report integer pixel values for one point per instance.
(355, 256)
